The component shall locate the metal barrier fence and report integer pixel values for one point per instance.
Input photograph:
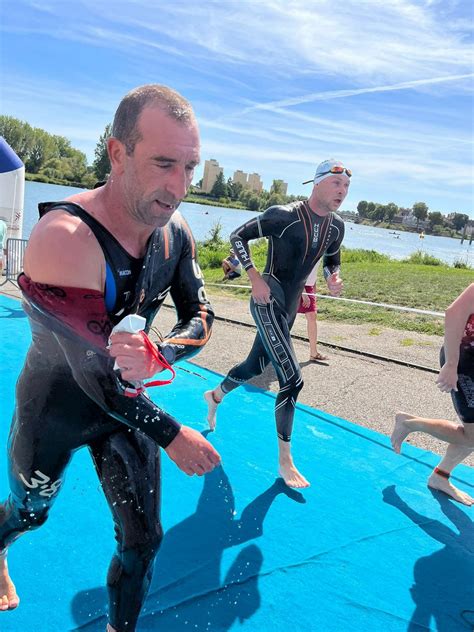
(14, 259)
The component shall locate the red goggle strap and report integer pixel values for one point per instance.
(153, 350)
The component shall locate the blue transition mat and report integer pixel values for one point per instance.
(368, 547)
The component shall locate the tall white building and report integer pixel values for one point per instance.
(211, 171)
(254, 182)
(241, 177)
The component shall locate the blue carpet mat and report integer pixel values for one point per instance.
(367, 547)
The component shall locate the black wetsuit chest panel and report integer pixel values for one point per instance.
(122, 270)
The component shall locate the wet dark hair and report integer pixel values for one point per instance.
(124, 127)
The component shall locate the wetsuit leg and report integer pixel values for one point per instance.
(273, 343)
(252, 366)
(128, 465)
(35, 479)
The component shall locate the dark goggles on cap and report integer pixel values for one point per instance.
(335, 170)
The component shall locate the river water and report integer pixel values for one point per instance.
(202, 218)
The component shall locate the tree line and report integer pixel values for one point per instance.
(436, 221)
(229, 191)
(49, 157)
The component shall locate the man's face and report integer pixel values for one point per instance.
(158, 173)
(331, 192)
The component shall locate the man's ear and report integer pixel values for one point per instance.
(117, 152)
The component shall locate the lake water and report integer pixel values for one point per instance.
(202, 218)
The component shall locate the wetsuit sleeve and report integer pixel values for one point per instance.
(272, 222)
(91, 366)
(332, 256)
(194, 312)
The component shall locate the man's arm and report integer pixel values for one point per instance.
(272, 222)
(456, 317)
(332, 260)
(194, 312)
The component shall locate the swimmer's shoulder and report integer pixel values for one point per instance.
(63, 250)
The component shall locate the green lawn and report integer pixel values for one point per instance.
(372, 277)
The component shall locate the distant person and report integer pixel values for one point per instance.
(308, 307)
(299, 234)
(3, 244)
(231, 266)
(456, 377)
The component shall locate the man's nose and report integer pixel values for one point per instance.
(177, 183)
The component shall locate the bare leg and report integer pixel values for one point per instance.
(287, 469)
(440, 428)
(213, 399)
(454, 455)
(110, 628)
(8, 597)
(312, 327)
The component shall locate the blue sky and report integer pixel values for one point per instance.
(385, 85)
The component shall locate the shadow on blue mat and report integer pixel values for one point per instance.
(438, 578)
(186, 585)
(8, 312)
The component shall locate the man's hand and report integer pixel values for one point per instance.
(447, 379)
(192, 453)
(260, 289)
(135, 361)
(305, 300)
(335, 284)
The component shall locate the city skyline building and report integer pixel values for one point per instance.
(240, 177)
(255, 183)
(211, 170)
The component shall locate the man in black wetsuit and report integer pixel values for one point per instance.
(91, 260)
(299, 234)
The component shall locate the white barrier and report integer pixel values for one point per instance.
(400, 308)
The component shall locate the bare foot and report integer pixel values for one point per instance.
(9, 600)
(292, 477)
(212, 405)
(400, 431)
(436, 481)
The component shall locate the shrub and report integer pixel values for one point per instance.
(359, 255)
(421, 258)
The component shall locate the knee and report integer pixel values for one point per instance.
(297, 384)
(145, 544)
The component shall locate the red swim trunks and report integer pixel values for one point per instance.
(312, 307)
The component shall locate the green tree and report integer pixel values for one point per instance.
(63, 146)
(219, 188)
(370, 210)
(275, 199)
(435, 218)
(277, 188)
(391, 209)
(101, 164)
(459, 220)
(420, 211)
(254, 203)
(18, 134)
(42, 149)
(362, 208)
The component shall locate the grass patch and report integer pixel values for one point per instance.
(407, 342)
(375, 331)
(366, 277)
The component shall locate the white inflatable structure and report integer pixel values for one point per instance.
(12, 190)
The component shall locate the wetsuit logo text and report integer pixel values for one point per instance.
(48, 488)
